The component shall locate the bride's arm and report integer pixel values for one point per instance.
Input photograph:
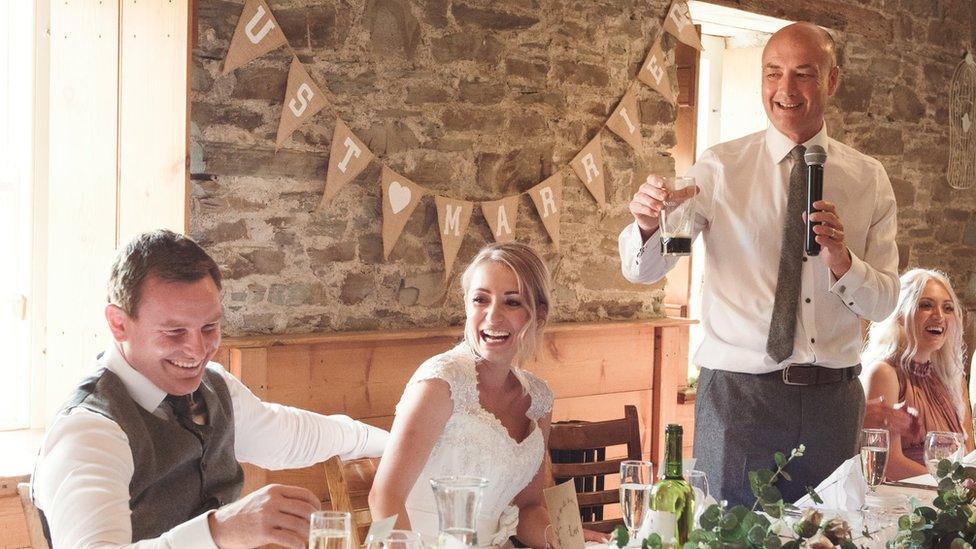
(422, 414)
(533, 515)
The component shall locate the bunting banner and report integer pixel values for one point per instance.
(625, 120)
(678, 23)
(257, 33)
(548, 199)
(348, 157)
(303, 99)
(400, 199)
(501, 216)
(654, 72)
(588, 166)
(453, 217)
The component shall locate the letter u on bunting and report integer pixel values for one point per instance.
(400, 199)
(625, 121)
(501, 216)
(654, 72)
(302, 100)
(453, 217)
(588, 166)
(548, 199)
(256, 34)
(348, 157)
(678, 23)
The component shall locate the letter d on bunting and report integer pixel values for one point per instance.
(256, 34)
(348, 157)
(453, 217)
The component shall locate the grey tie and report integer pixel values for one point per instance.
(782, 325)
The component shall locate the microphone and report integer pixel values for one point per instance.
(815, 158)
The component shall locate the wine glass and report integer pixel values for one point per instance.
(636, 480)
(699, 483)
(397, 539)
(330, 530)
(941, 445)
(874, 456)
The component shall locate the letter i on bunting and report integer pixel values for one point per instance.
(588, 166)
(501, 216)
(400, 199)
(548, 199)
(347, 157)
(678, 23)
(654, 72)
(302, 100)
(453, 217)
(256, 34)
(625, 121)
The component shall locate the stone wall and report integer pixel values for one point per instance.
(479, 99)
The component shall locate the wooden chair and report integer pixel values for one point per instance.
(577, 450)
(35, 530)
(349, 484)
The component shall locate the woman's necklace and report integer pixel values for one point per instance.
(921, 369)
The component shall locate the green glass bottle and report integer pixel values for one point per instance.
(672, 495)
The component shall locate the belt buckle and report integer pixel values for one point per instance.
(786, 377)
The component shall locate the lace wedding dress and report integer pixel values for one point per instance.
(475, 443)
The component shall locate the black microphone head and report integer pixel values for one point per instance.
(815, 155)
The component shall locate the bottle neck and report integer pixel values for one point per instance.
(672, 457)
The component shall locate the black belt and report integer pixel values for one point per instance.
(811, 374)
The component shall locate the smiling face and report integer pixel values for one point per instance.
(497, 313)
(175, 333)
(798, 77)
(934, 313)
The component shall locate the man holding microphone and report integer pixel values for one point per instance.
(779, 358)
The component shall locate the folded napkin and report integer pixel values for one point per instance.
(969, 459)
(844, 489)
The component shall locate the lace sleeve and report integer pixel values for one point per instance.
(541, 397)
(453, 368)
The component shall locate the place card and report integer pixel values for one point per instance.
(565, 514)
(380, 529)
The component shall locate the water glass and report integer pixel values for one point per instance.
(636, 480)
(397, 539)
(458, 500)
(699, 484)
(941, 445)
(874, 456)
(330, 530)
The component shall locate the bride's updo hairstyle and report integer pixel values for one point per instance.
(533, 280)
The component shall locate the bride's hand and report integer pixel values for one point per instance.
(593, 535)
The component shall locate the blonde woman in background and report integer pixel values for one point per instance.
(914, 359)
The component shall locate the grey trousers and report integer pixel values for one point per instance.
(742, 419)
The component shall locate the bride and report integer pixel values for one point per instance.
(473, 411)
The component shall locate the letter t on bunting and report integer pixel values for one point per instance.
(400, 198)
(588, 166)
(548, 199)
(256, 34)
(625, 120)
(453, 217)
(348, 157)
(302, 100)
(678, 23)
(501, 216)
(654, 72)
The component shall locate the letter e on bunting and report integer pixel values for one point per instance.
(588, 166)
(347, 158)
(302, 100)
(654, 72)
(256, 34)
(548, 199)
(400, 199)
(625, 120)
(678, 23)
(501, 216)
(453, 217)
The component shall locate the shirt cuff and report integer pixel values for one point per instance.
(653, 242)
(376, 439)
(193, 533)
(852, 280)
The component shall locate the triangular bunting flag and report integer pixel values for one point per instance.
(588, 166)
(400, 199)
(625, 120)
(654, 72)
(302, 100)
(256, 34)
(453, 217)
(548, 199)
(678, 23)
(501, 216)
(348, 156)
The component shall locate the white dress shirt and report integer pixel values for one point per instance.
(82, 476)
(740, 212)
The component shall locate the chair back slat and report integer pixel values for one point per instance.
(349, 484)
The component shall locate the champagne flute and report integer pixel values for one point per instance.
(636, 479)
(699, 483)
(874, 456)
(330, 530)
(941, 445)
(397, 539)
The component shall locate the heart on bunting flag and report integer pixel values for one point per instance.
(399, 197)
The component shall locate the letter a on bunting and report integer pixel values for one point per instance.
(678, 23)
(654, 72)
(453, 217)
(588, 166)
(625, 120)
(548, 199)
(256, 34)
(348, 157)
(501, 216)
(302, 100)
(400, 198)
